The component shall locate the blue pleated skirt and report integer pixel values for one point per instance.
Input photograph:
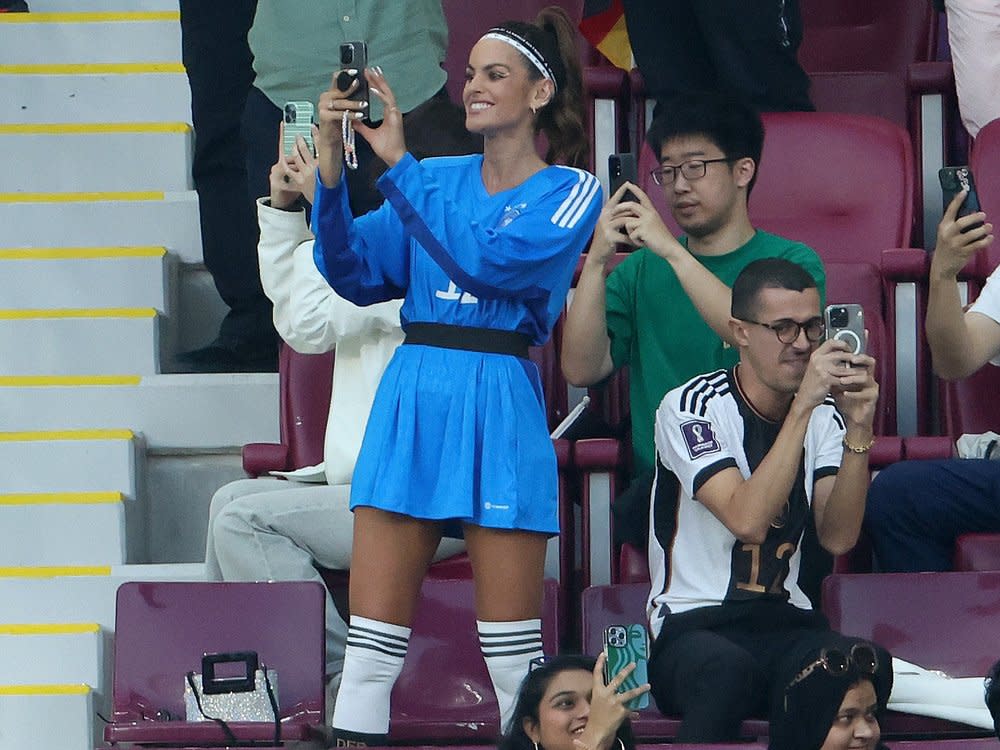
(459, 436)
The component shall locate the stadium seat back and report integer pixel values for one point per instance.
(305, 384)
(162, 630)
(945, 621)
(444, 693)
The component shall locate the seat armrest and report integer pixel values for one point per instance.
(605, 82)
(887, 450)
(598, 454)
(903, 264)
(930, 78)
(928, 447)
(260, 458)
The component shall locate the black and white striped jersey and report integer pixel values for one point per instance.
(703, 427)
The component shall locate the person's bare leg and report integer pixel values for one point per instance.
(508, 566)
(391, 554)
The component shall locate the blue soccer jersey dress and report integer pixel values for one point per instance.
(459, 435)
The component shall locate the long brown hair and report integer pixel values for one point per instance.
(552, 33)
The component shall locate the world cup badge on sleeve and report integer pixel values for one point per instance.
(699, 437)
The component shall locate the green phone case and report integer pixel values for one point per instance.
(624, 644)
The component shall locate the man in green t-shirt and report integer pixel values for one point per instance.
(664, 310)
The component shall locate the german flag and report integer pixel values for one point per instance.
(603, 25)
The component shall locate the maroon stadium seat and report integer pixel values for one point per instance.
(977, 552)
(944, 621)
(623, 604)
(304, 385)
(444, 693)
(162, 629)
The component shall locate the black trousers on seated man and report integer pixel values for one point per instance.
(716, 666)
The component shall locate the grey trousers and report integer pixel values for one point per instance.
(270, 529)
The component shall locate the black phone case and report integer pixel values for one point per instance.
(359, 61)
(954, 180)
(622, 169)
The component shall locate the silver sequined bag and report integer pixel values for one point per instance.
(252, 695)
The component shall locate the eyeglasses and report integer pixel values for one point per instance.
(693, 169)
(787, 331)
(835, 662)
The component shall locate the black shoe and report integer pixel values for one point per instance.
(219, 358)
(13, 6)
(992, 684)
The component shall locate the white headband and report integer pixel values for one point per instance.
(526, 48)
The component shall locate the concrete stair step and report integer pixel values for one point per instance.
(65, 6)
(79, 341)
(89, 37)
(46, 654)
(65, 461)
(82, 277)
(104, 219)
(47, 717)
(82, 528)
(78, 594)
(191, 412)
(136, 92)
(97, 156)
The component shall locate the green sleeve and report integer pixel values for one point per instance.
(620, 295)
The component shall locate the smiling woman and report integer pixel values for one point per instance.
(564, 704)
(482, 250)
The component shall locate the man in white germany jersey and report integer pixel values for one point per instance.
(744, 458)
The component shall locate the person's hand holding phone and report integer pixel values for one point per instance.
(645, 226)
(387, 141)
(610, 230)
(956, 242)
(607, 708)
(293, 175)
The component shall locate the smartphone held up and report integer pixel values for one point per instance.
(846, 323)
(953, 181)
(353, 61)
(624, 645)
(298, 119)
(622, 169)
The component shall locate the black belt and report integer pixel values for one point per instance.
(489, 340)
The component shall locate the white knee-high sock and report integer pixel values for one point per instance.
(372, 662)
(508, 647)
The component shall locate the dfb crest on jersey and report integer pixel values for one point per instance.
(699, 438)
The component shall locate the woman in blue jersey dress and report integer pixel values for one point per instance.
(482, 250)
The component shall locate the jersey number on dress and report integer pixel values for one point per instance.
(453, 292)
(753, 584)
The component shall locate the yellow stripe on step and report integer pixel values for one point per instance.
(55, 571)
(63, 435)
(73, 69)
(44, 689)
(92, 17)
(92, 197)
(81, 128)
(91, 312)
(66, 381)
(62, 498)
(65, 628)
(82, 253)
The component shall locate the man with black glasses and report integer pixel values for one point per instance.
(746, 458)
(664, 310)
